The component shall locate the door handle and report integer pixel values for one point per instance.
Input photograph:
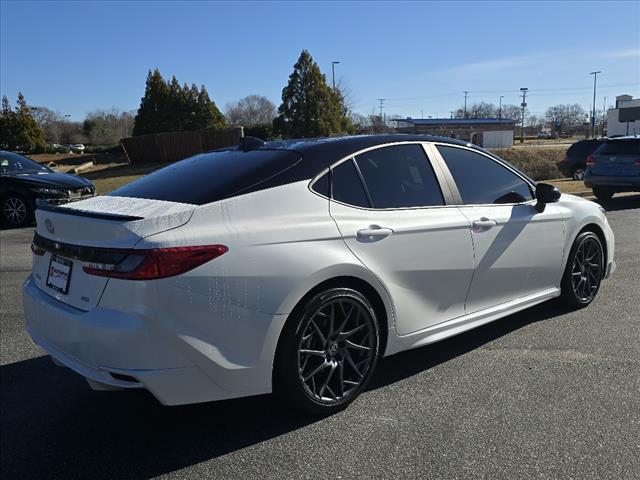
(484, 223)
(373, 233)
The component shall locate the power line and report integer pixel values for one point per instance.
(506, 91)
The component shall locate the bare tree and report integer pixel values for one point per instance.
(565, 117)
(512, 112)
(107, 127)
(479, 110)
(360, 122)
(49, 121)
(251, 110)
(348, 98)
(535, 121)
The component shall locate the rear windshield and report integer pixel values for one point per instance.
(620, 147)
(210, 177)
(584, 147)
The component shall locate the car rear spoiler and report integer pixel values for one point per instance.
(87, 213)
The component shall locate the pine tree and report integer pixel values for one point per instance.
(153, 106)
(7, 124)
(170, 107)
(208, 114)
(310, 108)
(18, 129)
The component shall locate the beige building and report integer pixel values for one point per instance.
(485, 132)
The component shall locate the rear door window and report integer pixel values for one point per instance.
(347, 186)
(399, 176)
(210, 177)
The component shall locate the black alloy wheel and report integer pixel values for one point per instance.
(15, 211)
(584, 271)
(328, 352)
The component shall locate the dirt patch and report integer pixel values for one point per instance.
(537, 162)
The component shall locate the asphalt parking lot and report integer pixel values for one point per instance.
(545, 393)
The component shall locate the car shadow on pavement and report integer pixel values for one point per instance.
(626, 202)
(53, 425)
(406, 364)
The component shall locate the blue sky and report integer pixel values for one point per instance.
(75, 57)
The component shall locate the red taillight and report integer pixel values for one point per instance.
(637, 162)
(156, 263)
(591, 161)
(39, 251)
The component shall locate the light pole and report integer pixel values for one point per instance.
(500, 108)
(593, 116)
(126, 129)
(333, 74)
(466, 92)
(604, 113)
(523, 105)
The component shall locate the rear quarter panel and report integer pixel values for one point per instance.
(282, 243)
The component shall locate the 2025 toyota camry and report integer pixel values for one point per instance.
(294, 266)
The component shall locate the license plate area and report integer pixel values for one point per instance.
(59, 274)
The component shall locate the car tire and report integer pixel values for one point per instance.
(578, 173)
(327, 352)
(15, 211)
(584, 271)
(602, 193)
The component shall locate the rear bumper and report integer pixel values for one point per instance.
(113, 349)
(618, 182)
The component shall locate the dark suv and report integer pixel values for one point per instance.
(574, 163)
(614, 167)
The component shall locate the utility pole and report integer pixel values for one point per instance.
(500, 109)
(126, 126)
(523, 105)
(604, 113)
(333, 74)
(593, 116)
(466, 92)
(382, 100)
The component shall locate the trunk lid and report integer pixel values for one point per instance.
(68, 233)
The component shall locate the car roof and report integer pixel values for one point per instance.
(318, 153)
(342, 146)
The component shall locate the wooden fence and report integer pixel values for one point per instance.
(174, 146)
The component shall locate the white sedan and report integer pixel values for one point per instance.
(294, 266)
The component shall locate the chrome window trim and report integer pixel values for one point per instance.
(445, 190)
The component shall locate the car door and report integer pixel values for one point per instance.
(518, 250)
(390, 209)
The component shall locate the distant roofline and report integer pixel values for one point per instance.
(454, 121)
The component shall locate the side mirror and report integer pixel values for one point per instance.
(546, 193)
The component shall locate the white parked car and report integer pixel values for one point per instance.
(77, 147)
(294, 266)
